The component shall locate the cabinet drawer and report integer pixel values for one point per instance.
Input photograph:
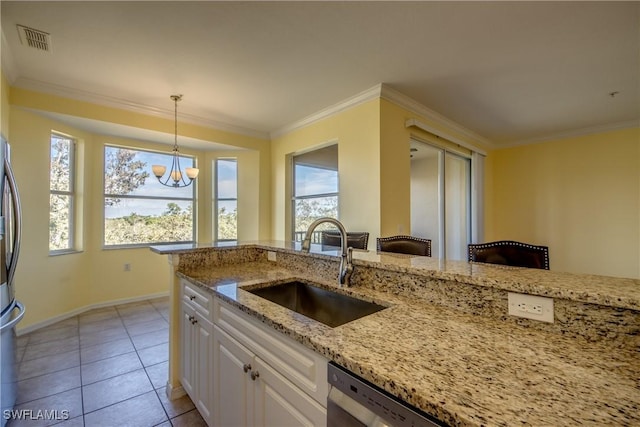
(200, 300)
(300, 365)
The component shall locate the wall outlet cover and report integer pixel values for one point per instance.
(531, 307)
(271, 256)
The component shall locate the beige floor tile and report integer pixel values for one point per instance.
(51, 333)
(147, 326)
(140, 411)
(145, 316)
(158, 374)
(50, 348)
(48, 385)
(48, 364)
(111, 367)
(105, 350)
(113, 390)
(154, 355)
(150, 339)
(59, 407)
(190, 419)
(177, 406)
(100, 325)
(104, 336)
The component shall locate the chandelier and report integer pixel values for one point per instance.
(175, 178)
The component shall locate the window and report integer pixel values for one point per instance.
(226, 199)
(61, 193)
(315, 190)
(138, 210)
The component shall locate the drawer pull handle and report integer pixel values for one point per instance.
(191, 319)
(194, 321)
(192, 297)
(246, 367)
(254, 375)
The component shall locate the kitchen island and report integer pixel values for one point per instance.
(445, 343)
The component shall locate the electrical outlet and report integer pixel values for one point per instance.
(531, 307)
(127, 267)
(271, 256)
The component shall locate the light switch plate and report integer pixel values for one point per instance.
(531, 307)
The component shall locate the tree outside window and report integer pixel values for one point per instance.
(138, 210)
(61, 193)
(226, 199)
(315, 190)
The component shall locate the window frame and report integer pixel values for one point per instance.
(71, 193)
(217, 199)
(193, 199)
(315, 238)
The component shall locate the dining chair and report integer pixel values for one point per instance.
(509, 252)
(355, 239)
(404, 245)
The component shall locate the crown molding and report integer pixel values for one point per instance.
(417, 108)
(591, 130)
(360, 98)
(384, 91)
(108, 101)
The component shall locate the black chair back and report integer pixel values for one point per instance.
(355, 239)
(509, 252)
(404, 245)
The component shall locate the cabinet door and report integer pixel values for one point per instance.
(279, 402)
(187, 350)
(232, 387)
(203, 365)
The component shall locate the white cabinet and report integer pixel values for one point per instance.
(232, 391)
(249, 392)
(262, 377)
(197, 348)
(280, 403)
(240, 372)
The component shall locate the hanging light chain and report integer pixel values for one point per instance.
(175, 173)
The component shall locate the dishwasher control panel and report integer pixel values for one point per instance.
(385, 406)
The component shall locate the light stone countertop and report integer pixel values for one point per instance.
(606, 290)
(465, 370)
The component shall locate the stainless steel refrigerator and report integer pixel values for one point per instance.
(12, 310)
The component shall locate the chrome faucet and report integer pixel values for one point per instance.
(346, 260)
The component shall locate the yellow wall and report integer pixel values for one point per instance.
(249, 188)
(54, 286)
(4, 106)
(356, 131)
(579, 196)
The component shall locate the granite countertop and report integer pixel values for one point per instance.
(611, 291)
(465, 370)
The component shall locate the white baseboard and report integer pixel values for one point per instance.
(72, 313)
(174, 393)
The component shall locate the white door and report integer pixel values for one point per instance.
(203, 363)
(441, 199)
(279, 403)
(187, 348)
(232, 386)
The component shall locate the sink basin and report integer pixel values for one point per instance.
(328, 307)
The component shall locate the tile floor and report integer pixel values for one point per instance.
(105, 367)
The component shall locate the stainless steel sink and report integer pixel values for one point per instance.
(326, 306)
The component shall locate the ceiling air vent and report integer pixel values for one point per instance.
(35, 38)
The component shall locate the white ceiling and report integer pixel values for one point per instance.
(511, 72)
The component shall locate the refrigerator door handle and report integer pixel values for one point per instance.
(15, 320)
(15, 198)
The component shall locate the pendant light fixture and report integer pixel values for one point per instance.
(175, 178)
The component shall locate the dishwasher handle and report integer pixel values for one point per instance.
(16, 319)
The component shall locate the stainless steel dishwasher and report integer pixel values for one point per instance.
(353, 402)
